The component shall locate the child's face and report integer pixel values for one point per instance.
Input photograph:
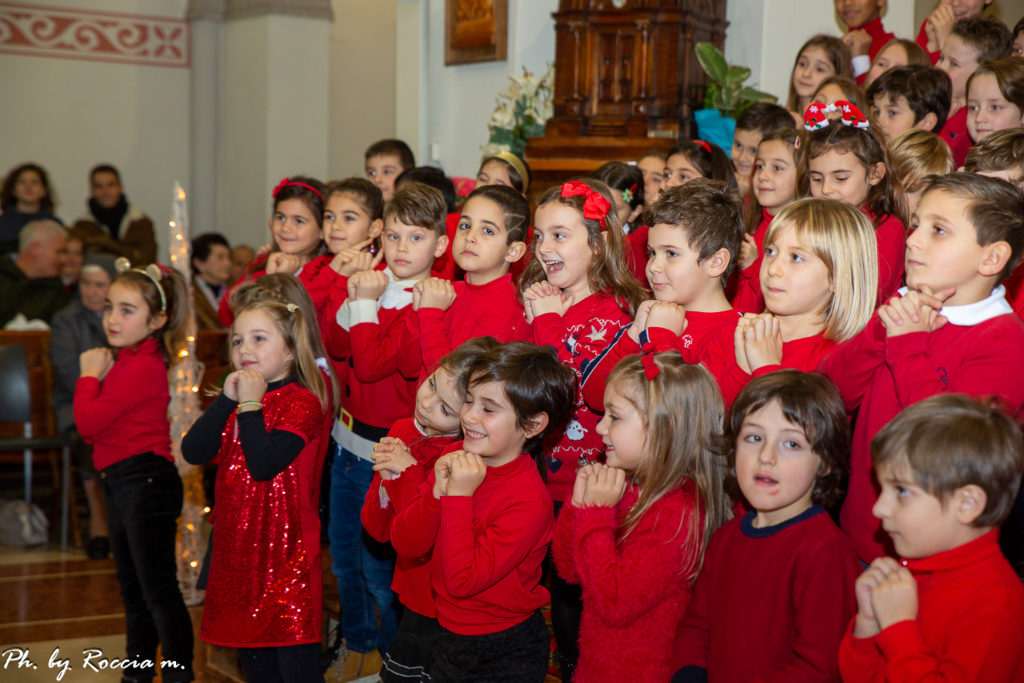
(622, 430)
(919, 524)
(562, 245)
(888, 58)
(893, 115)
(438, 403)
(673, 270)
(841, 175)
(494, 172)
(679, 170)
(480, 245)
(382, 170)
(793, 280)
(126, 317)
(257, 344)
(774, 181)
(775, 466)
(410, 250)
(856, 13)
(812, 67)
(744, 150)
(987, 109)
(294, 229)
(959, 60)
(943, 250)
(653, 169)
(346, 223)
(489, 424)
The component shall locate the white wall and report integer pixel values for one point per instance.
(69, 115)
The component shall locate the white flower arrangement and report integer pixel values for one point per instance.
(521, 111)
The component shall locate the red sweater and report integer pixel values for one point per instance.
(954, 132)
(478, 310)
(969, 626)
(636, 253)
(634, 592)
(748, 297)
(891, 236)
(771, 604)
(488, 547)
(126, 414)
(883, 376)
(879, 36)
(317, 276)
(922, 40)
(385, 499)
(579, 336)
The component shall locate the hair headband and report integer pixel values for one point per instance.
(816, 116)
(152, 271)
(595, 206)
(706, 146)
(627, 194)
(285, 182)
(516, 163)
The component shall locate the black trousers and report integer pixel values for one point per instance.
(286, 664)
(144, 497)
(515, 655)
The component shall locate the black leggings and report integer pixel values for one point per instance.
(287, 664)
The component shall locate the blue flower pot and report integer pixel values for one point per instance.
(713, 127)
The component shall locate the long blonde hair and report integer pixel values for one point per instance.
(682, 410)
(844, 239)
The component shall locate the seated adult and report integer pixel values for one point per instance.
(113, 225)
(78, 328)
(211, 268)
(72, 269)
(242, 257)
(30, 281)
(24, 197)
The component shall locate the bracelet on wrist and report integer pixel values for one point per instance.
(250, 403)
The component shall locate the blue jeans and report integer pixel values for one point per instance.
(364, 568)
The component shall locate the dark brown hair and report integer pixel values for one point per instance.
(949, 441)
(710, 161)
(104, 168)
(764, 117)
(810, 401)
(513, 206)
(7, 198)
(619, 177)
(925, 88)
(392, 147)
(363, 191)
(852, 92)
(1002, 150)
(915, 53)
(995, 209)
(420, 205)
(709, 212)
(838, 55)
(534, 380)
(175, 292)
(990, 37)
(519, 183)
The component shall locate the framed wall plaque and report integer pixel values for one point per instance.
(475, 31)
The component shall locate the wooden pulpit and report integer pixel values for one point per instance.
(627, 81)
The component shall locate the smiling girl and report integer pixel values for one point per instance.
(821, 57)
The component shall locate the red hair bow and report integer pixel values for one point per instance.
(595, 206)
(651, 368)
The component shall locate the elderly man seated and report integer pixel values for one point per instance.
(30, 281)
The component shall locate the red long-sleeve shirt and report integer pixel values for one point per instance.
(891, 236)
(579, 336)
(126, 413)
(882, 376)
(487, 548)
(635, 592)
(636, 253)
(954, 132)
(385, 499)
(478, 310)
(879, 36)
(969, 625)
(748, 297)
(770, 604)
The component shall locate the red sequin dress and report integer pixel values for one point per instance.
(265, 585)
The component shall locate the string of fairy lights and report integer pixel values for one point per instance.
(185, 375)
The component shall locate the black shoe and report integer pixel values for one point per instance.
(98, 548)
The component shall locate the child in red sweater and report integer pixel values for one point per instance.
(846, 162)
(951, 331)
(488, 240)
(693, 244)
(377, 393)
(777, 582)
(634, 534)
(486, 516)
(402, 460)
(953, 608)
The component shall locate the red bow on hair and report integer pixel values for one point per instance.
(595, 206)
(285, 182)
(651, 368)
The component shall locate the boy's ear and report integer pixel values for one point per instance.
(927, 121)
(536, 424)
(876, 174)
(515, 251)
(997, 255)
(717, 263)
(968, 503)
(442, 244)
(376, 228)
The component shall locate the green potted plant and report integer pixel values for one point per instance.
(725, 97)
